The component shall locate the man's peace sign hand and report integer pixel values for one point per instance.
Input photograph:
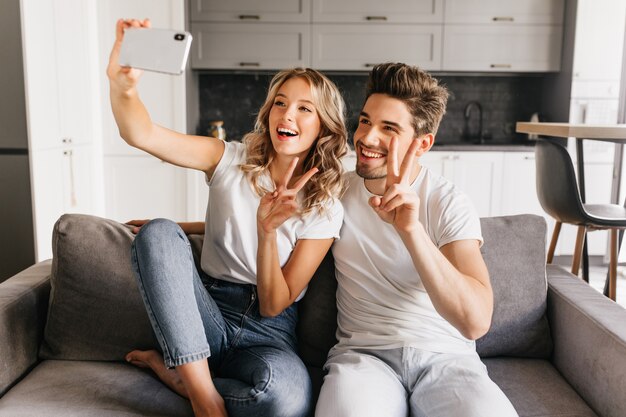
(399, 205)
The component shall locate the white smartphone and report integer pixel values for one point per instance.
(159, 50)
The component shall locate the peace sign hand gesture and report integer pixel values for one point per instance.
(399, 205)
(276, 207)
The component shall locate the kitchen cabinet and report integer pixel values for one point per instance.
(62, 181)
(503, 36)
(250, 34)
(353, 35)
(277, 11)
(477, 174)
(159, 191)
(504, 11)
(391, 11)
(360, 47)
(250, 45)
(489, 48)
(61, 68)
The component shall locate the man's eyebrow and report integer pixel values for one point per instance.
(387, 122)
(306, 101)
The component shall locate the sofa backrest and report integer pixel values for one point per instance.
(96, 312)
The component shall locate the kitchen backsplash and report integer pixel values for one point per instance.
(236, 97)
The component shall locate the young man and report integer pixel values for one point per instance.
(413, 290)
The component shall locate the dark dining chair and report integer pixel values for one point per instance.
(558, 193)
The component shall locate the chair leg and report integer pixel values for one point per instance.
(578, 250)
(612, 287)
(555, 239)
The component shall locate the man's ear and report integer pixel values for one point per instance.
(426, 142)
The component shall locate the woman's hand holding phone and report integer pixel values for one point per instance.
(124, 79)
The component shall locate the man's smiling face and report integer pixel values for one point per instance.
(382, 118)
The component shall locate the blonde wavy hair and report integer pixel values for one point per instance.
(326, 151)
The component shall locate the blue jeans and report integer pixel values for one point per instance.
(194, 317)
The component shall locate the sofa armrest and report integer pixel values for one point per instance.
(23, 309)
(589, 335)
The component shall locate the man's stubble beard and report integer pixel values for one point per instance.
(374, 174)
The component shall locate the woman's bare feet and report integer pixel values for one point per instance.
(205, 400)
(153, 360)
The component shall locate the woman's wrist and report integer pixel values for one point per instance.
(265, 233)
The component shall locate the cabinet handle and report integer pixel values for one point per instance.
(66, 140)
(501, 66)
(377, 18)
(503, 19)
(249, 17)
(70, 154)
(368, 65)
(529, 158)
(249, 64)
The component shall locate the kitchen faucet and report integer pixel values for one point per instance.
(468, 134)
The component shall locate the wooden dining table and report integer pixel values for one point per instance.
(607, 133)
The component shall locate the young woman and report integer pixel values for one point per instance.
(273, 214)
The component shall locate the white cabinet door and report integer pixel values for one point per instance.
(391, 11)
(359, 47)
(278, 11)
(61, 69)
(433, 160)
(504, 11)
(77, 68)
(143, 187)
(249, 46)
(62, 182)
(488, 48)
(477, 174)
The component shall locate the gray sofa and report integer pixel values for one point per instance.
(556, 347)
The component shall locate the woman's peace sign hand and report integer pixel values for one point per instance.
(277, 206)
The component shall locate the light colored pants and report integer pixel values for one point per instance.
(408, 381)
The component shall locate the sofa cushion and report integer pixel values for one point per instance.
(91, 389)
(536, 388)
(514, 251)
(95, 310)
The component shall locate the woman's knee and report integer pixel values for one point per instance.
(156, 229)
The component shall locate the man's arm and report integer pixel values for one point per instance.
(456, 276)
(456, 279)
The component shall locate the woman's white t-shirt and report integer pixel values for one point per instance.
(230, 244)
(381, 301)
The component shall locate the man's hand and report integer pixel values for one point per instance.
(399, 205)
(276, 207)
(123, 79)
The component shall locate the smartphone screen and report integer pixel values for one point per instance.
(159, 50)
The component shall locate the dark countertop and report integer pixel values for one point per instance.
(483, 147)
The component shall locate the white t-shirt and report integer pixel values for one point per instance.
(230, 241)
(381, 300)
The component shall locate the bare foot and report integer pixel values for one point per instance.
(153, 360)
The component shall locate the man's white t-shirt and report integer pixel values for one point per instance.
(381, 301)
(230, 244)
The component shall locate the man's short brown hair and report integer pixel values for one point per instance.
(422, 94)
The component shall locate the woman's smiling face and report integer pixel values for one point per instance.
(294, 123)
